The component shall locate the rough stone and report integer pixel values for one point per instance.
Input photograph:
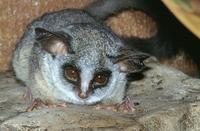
(132, 23)
(168, 100)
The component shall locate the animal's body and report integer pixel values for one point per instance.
(69, 56)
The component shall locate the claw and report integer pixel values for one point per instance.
(35, 104)
(126, 106)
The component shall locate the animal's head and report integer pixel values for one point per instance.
(85, 63)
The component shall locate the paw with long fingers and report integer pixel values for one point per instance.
(38, 103)
(125, 106)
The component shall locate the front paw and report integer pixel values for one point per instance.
(38, 103)
(125, 106)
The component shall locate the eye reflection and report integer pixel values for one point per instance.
(71, 74)
(101, 79)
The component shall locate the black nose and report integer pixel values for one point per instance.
(83, 95)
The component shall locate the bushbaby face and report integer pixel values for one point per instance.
(85, 63)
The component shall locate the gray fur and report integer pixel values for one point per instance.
(93, 45)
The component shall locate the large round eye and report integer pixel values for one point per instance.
(71, 74)
(100, 79)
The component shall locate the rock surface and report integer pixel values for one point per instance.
(168, 101)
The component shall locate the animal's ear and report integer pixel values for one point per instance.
(51, 42)
(130, 61)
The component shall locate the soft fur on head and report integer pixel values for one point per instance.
(91, 50)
